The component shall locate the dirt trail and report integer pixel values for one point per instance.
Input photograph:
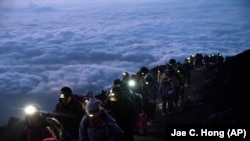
(157, 129)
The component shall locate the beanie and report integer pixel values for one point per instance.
(93, 106)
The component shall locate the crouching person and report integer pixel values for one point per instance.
(97, 125)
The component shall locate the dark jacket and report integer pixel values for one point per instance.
(125, 115)
(70, 116)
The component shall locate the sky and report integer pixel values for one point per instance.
(45, 45)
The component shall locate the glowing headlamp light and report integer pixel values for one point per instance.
(91, 115)
(30, 110)
(146, 82)
(86, 100)
(112, 94)
(131, 83)
(62, 96)
(112, 97)
(124, 74)
(94, 113)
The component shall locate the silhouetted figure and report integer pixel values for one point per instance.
(69, 112)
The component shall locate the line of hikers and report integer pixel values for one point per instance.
(124, 110)
(118, 113)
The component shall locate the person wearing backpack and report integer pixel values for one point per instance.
(97, 125)
(176, 79)
(151, 88)
(122, 108)
(166, 91)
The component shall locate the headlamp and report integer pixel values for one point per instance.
(93, 113)
(146, 82)
(131, 83)
(124, 73)
(112, 94)
(86, 100)
(62, 96)
(112, 97)
(30, 110)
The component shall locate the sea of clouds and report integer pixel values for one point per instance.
(45, 45)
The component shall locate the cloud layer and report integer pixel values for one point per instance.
(46, 45)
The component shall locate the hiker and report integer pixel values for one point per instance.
(121, 107)
(151, 89)
(166, 91)
(175, 78)
(37, 127)
(97, 125)
(69, 112)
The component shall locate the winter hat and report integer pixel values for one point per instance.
(89, 94)
(93, 107)
(65, 92)
(144, 70)
(116, 93)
